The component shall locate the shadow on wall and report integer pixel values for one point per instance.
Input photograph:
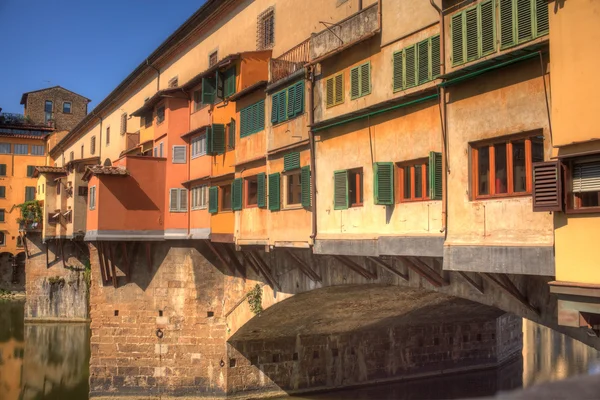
(12, 272)
(131, 195)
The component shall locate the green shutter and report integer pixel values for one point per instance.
(244, 122)
(220, 89)
(299, 98)
(398, 77)
(218, 138)
(410, 67)
(435, 57)
(384, 183)
(291, 95)
(487, 25)
(360, 80)
(260, 107)
(3, 191)
(354, 83)
(30, 170)
(274, 192)
(291, 161)
(252, 119)
(507, 24)
(236, 194)
(1, 215)
(340, 190)
(213, 200)
(229, 81)
(542, 23)
(29, 193)
(524, 20)
(275, 108)
(435, 176)
(423, 61)
(208, 90)
(305, 186)
(209, 140)
(329, 95)
(2, 169)
(457, 31)
(231, 139)
(261, 192)
(472, 34)
(282, 107)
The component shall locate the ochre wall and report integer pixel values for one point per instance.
(251, 222)
(575, 236)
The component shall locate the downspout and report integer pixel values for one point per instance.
(360, 5)
(313, 164)
(442, 99)
(157, 74)
(100, 144)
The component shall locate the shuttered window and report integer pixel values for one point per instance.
(473, 33)
(229, 82)
(252, 119)
(2, 212)
(216, 139)
(334, 90)
(30, 170)
(291, 161)
(360, 80)
(436, 174)
(585, 184)
(123, 123)
(209, 90)
(2, 169)
(93, 145)
(178, 200)
(287, 103)
(231, 135)
(29, 193)
(92, 198)
(236, 194)
(274, 192)
(420, 180)
(305, 183)
(340, 190)
(199, 197)
(4, 148)
(213, 200)
(3, 191)
(522, 20)
(261, 191)
(547, 186)
(383, 173)
(179, 155)
(417, 64)
(199, 146)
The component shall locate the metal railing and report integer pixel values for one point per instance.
(290, 61)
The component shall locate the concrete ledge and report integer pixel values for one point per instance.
(349, 247)
(203, 233)
(176, 234)
(123, 235)
(57, 320)
(418, 246)
(531, 260)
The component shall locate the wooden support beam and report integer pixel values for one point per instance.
(148, 256)
(388, 268)
(265, 269)
(248, 261)
(62, 252)
(113, 268)
(126, 264)
(216, 252)
(240, 268)
(24, 240)
(306, 269)
(509, 290)
(471, 281)
(47, 260)
(431, 278)
(103, 263)
(430, 271)
(365, 273)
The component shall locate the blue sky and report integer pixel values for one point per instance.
(87, 46)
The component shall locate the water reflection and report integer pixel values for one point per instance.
(42, 361)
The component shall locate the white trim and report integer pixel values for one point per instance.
(175, 155)
(92, 197)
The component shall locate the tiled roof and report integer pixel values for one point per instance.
(101, 170)
(48, 170)
(250, 89)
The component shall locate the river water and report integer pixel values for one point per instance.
(50, 362)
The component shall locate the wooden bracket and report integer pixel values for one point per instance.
(388, 268)
(126, 263)
(47, 260)
(24, 240)
(236, 263)
(264, 269)
(102, 261)
(217, 253)
(306, 269)
(504, 283)
(248, 261)
(113, 268)
(477, 286)
(365, 273)
(423, 270)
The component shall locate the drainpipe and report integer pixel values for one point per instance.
(100, 144)
(442, 97)
(313, 164)
(360, 6)
(157, 74)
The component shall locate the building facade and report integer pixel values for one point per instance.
(55, 106)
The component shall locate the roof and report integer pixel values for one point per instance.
(250, 89)
(23, 136)
(194, 131)
(24, 96)
(48, 170)
(82, 160)
(101, 170)
(155, 99)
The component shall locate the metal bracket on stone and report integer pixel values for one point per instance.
(424, 271)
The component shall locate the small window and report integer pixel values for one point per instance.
(179, 154)
(2, 215)
(19, 241)
(124, 123)
(413, 181)
(71, 156)
(334, 90)
(160, 114)
(178, 200)
(30, 171)
(355, 187)
(287, 103)
(58, 185)
(252, 119)
(4, 148)
(293, 188)
(161, 148)
(67, 107)
(198, 100)
(147, 119)
(265, 33)
(21, 149)
(213, 58)
(92, 198)
(156, 152)
(37, 150)
(2, 239)
(48, 106)
(199, 146)
(360, 80)
(251, 198)
(81, 190)
(29, 193)
(2, 169)
(2, 192)
(82, 151)
(584, 185)
(504, 168)
(225, 197)
(92, 145)
(199, 197)
(173, 82)
(107, 136)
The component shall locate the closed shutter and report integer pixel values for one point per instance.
(334, 88)
(1, 215)
(275, 108)
(282, 107)
(236, 194)
(291, 161)
(213, 200)
(209, 140)
(542, 25)
(435, 57)
(305, 186)
(29, 193)
(457, 39)
(384, 183)
(231, 139)
(260, 109)
(398, 78)
(547, 186)
(365, 79)
(299, 98)
(208, 90)
(274, 192)
(340, 190)
(3, 191)
(218, 138)
(291, 95)
(179, 155)
(507, 26)
(329, 92)
(472, 34)
(92, 198)
(354, 83)
(524, 20)
(173, 199)
(435, 175)
(339, 88)
(230, 81)
(423, 61)
(183, 200)
(488, 31)
(30, 170)
(244, 121)
(261, 191)
(410, 67)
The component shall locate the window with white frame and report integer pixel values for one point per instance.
(21, 149)
(199, 146)
(179, 155)
(199, 197)
(92, 197)
(37, 150)
(4, 148)
(160, 150)
(178, 200)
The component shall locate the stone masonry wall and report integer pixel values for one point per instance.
(12, 272)
(56, 289)
(63, 122)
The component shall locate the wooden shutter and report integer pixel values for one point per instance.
(29, 193)
(524, 20)
(274, 108)
(472, 34)
(220, 87)
(231, 139)
(423, 61)
(2, 216)
(30, 170)
(2, 169)
(230, 81)
(339, 88)
(209, 140)
(340, 190)
(282, 107)
(435, 176)
(305, 186)
(183, 200)
(354, 83)
(458, 56)
(218, 138)
(435, 57)
(213, 200)
(547, 186)
(488, 28)
(291, 95)
(244, 122)
(542, 23)
(299, 98)
(261, 191)
(3, 191)
(365, 79)
(398, 78)
(274, 192)
(236, 194)
(291, 161)
(507, 24)
(179, 155)
(260, 110)
(334, 90)
(173, 199)
(329, 92)
(384, 183)
(208, 90)
(410, 67)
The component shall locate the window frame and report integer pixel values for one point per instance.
(34, 192)
(92, 146)
(286, 201)
(360, 92)
(179, 147)
(247, 180)
(569, 195)
(251, 114)
(425, 184)
(200, 193)
(40, 147)
(70, 107)
(261, 32)
(108, 135)
(222, 197)
(334, 91)
(214, 53)
(160, 114)
(286, 91)
(92, 198)
(199, 139)
(178, 208)
(9, 148)
(463, 15)
(359, 181)
(19, 146)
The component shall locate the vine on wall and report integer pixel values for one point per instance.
(255, 299)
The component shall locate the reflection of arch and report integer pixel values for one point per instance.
(107, 162)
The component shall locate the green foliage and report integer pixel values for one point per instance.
(56, 280)
(31, 212)
(255, 299)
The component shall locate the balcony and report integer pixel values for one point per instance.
(32, 216)
(14, 119)
(291, 61)
(345, 33)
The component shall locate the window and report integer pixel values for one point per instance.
(19, 241)
(293, 188)
(179, 154)
(2, 169)
(29, 193)
(2, 215)
(71, 156)
(225, 196)
(209, 90)
(2, 192)
(334, 90)
(58, 187)
(21, 149)
(251, 191)
(4, 148)
(213, 58)
(215, 139)
(107, 136)
(413, 181)
(123, 123)
(93, 144)
(147, 119)
(156, 152)
(92, 198)
(360, 80)
(161, 147)
(160, 114)
(252, 119)
(229, 82)
(503, 168)
(265, 32)
(199, 197)
(355, 187)
(2, 239)
(417, 64)
(473, 33)
(231, 134)
(584, 186)
(274, 192)
(30, 170)
(199, 146)
(82, 151)
(37, 150)
(48, 111)
(213, 200)
(67, 107)
(348, 188)
(82, 190)
(198, 100)
(522, 20)
(287, 103)
(178, 200)
(173, 82)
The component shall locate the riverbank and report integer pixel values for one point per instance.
(8, 295)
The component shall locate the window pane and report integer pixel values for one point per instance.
(500, 168)
(226, 197)
(588, 199)
(483, 169)
(519, 170)
(537, 150)
(294, 189)
(418, 182)
(252, 199)
(48, 106)
(406, 184)
(352, 189)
